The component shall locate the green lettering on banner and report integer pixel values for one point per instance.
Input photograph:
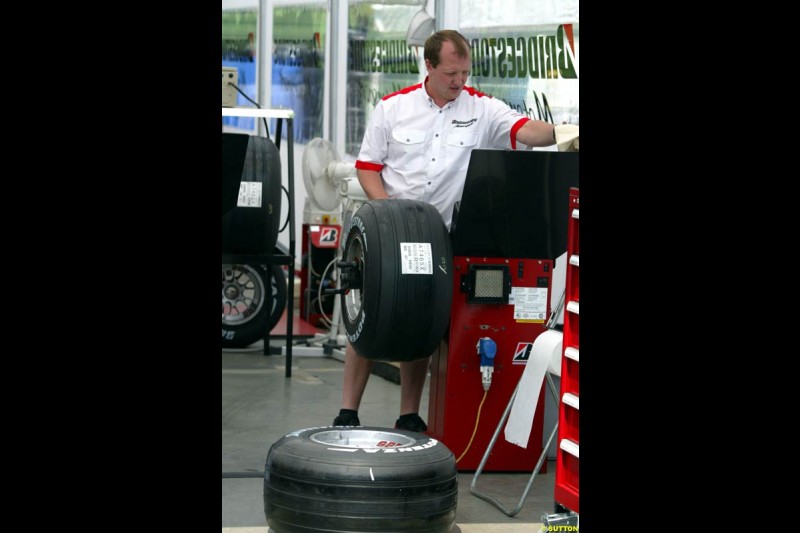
(386, 57)
(512, 72)
(522, 59)
(492, 44)
(500, 46)
(412, 62)
(533, 56)
(542, 54)
(485, 57)
(473, 45)
(537, 57)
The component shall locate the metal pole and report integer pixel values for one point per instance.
(290, 295)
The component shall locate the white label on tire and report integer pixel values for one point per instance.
(249, 194)
(416, 258)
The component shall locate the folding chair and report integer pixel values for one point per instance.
(553, 367)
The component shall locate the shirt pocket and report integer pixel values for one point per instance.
(407, 149)
(409, 137)
(459, 148)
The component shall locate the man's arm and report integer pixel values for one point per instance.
(372, 184)
(537, 133)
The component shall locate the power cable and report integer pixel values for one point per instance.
(266, 126)
(477, 419)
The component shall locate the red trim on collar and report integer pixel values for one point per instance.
(403, 91)
(472, 91)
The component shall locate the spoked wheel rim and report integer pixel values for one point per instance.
(243, 294)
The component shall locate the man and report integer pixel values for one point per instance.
(417, 145)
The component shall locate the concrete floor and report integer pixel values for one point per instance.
(260, 405)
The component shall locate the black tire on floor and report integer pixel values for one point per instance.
(251, 228)
(397, 316)
(360, 479)
(245, 318)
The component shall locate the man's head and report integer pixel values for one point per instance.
(433, 46)
(448, 61)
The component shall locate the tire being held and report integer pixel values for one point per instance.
(399, 308)
(360, 479)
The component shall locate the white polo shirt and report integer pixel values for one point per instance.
(422, 151)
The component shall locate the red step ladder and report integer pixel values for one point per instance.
(567, 456)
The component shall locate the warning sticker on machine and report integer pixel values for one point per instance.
(530, 303)
(249, 194)
(416, 258)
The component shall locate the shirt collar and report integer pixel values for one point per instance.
(431, 103)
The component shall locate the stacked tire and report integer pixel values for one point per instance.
(253, 294)
(360, 479)
(250, 225)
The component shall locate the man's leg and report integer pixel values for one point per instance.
(412, 380)
(356, 375)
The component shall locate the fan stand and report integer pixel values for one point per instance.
(321, 165)
(329, 344)
(332, 343)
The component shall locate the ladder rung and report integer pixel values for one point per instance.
(573, 307)
(572, 353)
(570, 447)
(574, 260)
(575, 213)
(571, 400)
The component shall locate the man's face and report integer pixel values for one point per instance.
(448, 78)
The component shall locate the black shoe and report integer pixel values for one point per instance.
(346, 420)
(411, 423)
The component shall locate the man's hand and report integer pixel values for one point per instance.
(567, 137)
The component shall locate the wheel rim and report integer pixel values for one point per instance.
(242, 294)
(359, 438)
(354, 298)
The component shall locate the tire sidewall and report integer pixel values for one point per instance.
(391, 480)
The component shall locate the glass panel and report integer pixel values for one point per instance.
(526, 55)
(379, 61)
(298, 66)
(239, 51)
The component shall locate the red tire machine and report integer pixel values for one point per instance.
(321, 234)
(507, 230)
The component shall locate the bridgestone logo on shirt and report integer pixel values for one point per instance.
(416, 258)
(464, 123)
